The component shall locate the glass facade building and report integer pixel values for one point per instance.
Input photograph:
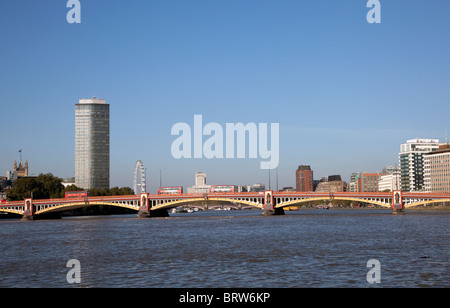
(92, 144)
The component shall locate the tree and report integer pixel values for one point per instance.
(51, 186)
(115, 191)
(126, 191)
(44, 186)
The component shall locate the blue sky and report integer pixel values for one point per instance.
(345, 92)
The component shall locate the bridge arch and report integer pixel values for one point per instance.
(11, 211)
(176, 203)
(299, 201)
(77, 205)
(426, 202)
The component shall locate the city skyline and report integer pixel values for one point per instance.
(346, 93)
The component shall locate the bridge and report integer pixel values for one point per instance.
(270, 202)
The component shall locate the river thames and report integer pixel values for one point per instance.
(230, 249)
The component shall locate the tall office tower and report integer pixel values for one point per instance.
(92, 143)
(304, 178)
(411, 162)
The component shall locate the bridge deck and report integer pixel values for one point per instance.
(281, 199)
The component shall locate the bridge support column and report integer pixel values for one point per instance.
(28, 210)
(397, 202)
(150, 214)
(145, 209)
(269, 205)
(272, 212)
(398, 211)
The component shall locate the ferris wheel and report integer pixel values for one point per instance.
(139, 188)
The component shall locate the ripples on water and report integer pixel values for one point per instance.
(308, 248)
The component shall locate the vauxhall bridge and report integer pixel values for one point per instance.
(269, 202)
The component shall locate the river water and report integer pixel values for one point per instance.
(230, 249)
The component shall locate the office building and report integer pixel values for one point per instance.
(365, 182)
(389, 182)
(369, 182)
(200, 186)
(437, 170)
(92, 162)
(258, 187)
(354, 183)
(304, 179)
(389, 179)
(332, 183)
(411, 162)
(200, 178)
(243, 188)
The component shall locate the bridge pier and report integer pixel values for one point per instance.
(28, 210)
(272, 212)
(41, 216)
(269, 208)
(145, 209)
(397, 202)
(151, 214)
(398, 210)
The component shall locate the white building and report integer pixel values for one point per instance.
(389, 182)
(411, 162)
(200, 186)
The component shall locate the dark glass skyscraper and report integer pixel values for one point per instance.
(92, 143)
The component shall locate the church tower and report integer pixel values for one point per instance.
(21, 170)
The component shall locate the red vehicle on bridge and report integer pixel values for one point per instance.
(77, 194)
